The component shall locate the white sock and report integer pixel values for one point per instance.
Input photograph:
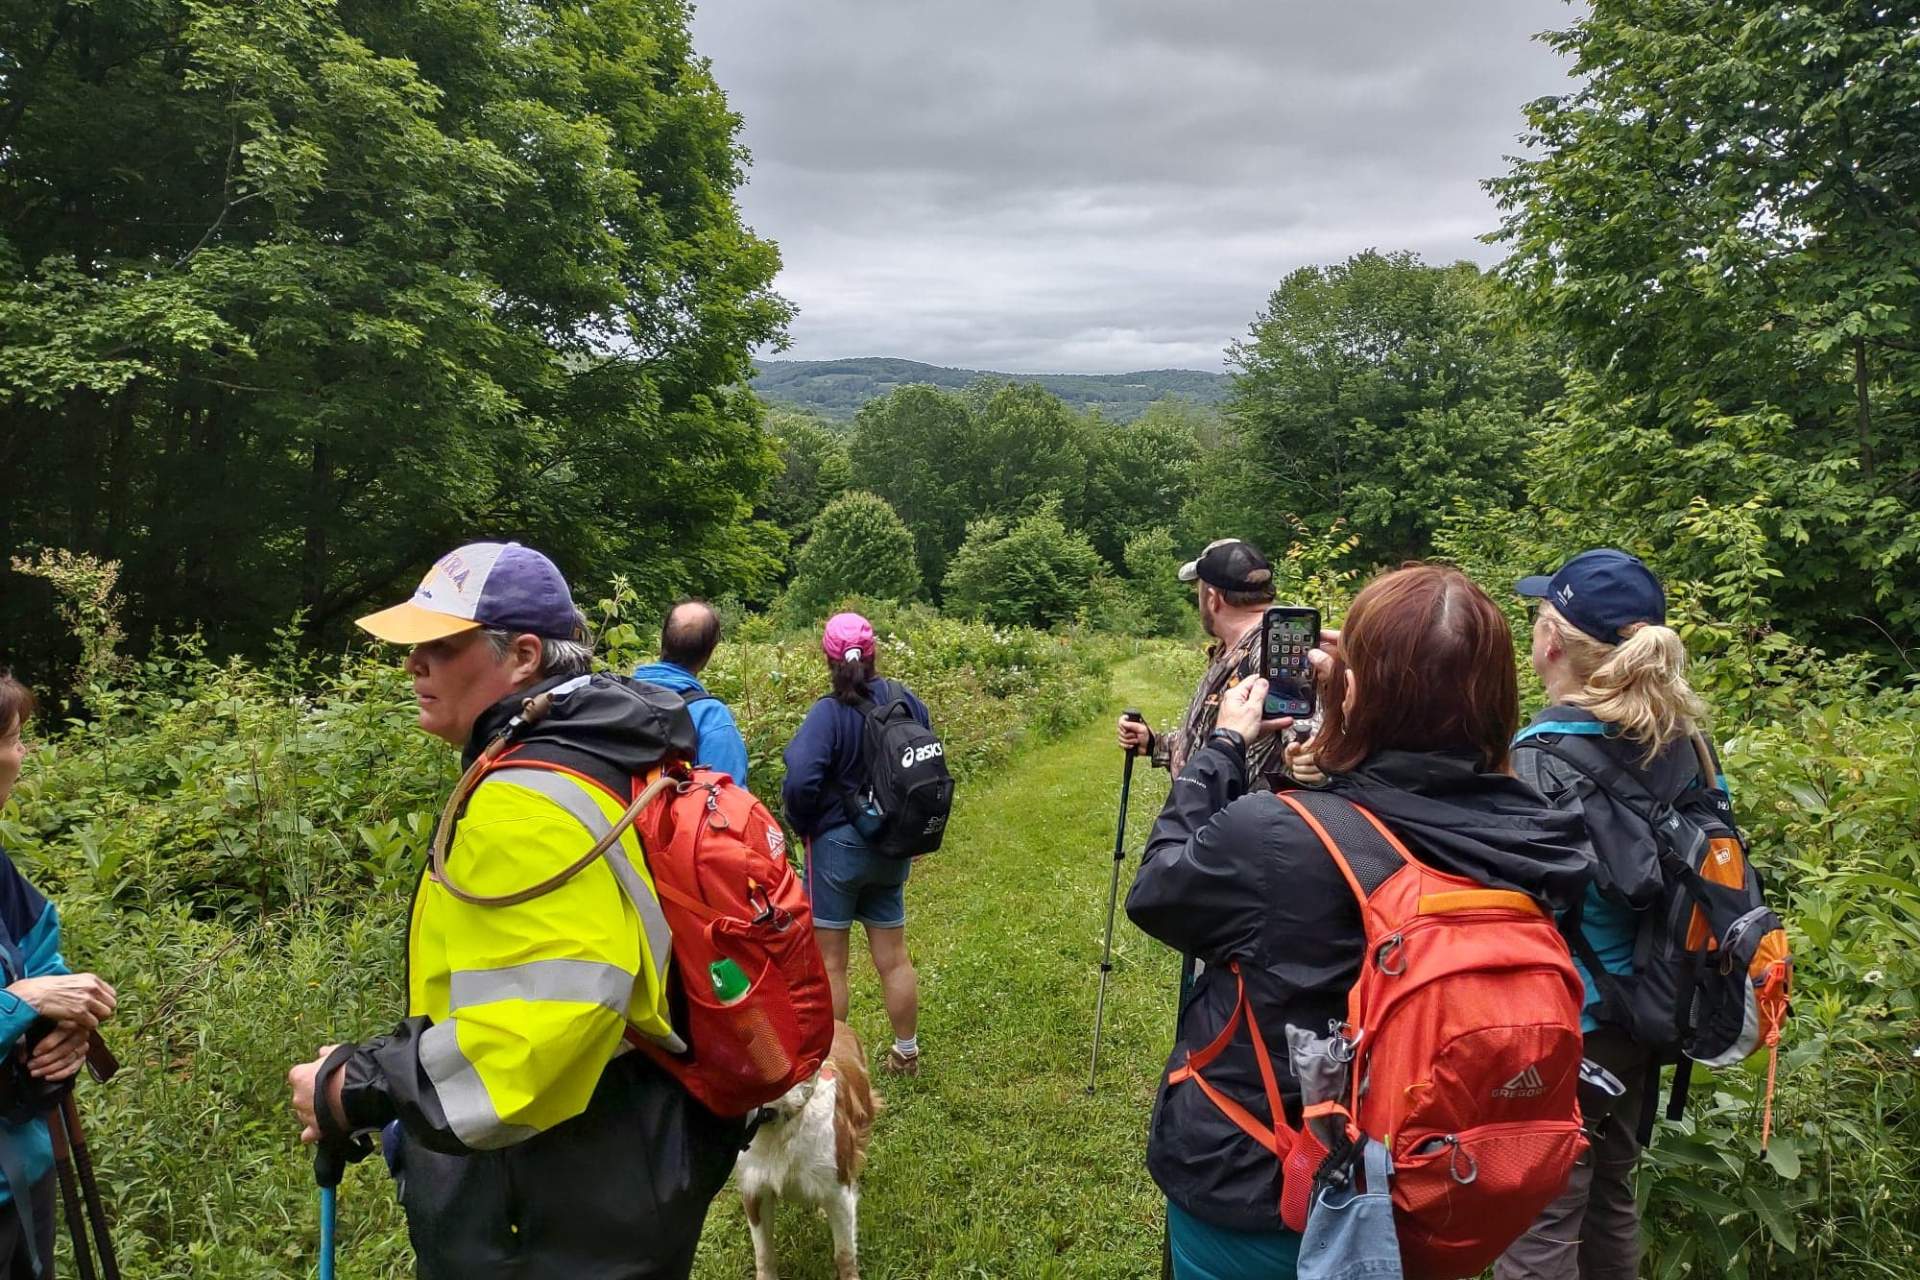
(908, 1048)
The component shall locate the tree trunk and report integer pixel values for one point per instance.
(1865, 409)
(119, 472)
(313, 563)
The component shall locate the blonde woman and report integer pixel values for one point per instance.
(1616, 682)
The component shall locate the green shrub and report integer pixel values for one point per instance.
(859, 547)
(1829, 795)
(1153, 564)
(1035, 572)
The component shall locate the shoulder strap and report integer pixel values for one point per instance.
(1613, 998)
(1619, 784)
(1361, 846)
(688, 699)
(1709, 762)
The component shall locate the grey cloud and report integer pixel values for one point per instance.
(1107, 184)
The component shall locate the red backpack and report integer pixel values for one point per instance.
(757, 1014)
(1465, 1043)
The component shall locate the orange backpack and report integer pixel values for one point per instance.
(1464, 1037)
(756, 1014)
(759, 1014)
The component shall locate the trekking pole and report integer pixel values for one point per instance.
(1113, 901)
(69, 1193)
(89, 1187)
(329, 1166)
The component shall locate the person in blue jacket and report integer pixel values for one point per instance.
(687, 640)
(847, 881)
(40, 994)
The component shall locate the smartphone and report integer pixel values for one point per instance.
(1287, 635)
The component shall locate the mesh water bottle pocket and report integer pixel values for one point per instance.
(746, 1037)
(1463, 1198)
(1296, 1178)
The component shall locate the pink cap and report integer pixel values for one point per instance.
(847, 632)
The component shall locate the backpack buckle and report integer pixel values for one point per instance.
(1472, 1172)
(1385, 952)
(766, 912)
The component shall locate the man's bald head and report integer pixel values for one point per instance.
(690, 634)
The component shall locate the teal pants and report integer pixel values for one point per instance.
(1202, 1251)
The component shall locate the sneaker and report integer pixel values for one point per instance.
(901, 1064)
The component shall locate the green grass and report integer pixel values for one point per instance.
(994, 1161)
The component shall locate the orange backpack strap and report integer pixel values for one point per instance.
(1277, 1138)
(1361, 846)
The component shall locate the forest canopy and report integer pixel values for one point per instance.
(295, 296)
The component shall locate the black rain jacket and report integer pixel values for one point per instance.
(1233, 876)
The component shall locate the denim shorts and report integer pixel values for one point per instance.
(846, 881)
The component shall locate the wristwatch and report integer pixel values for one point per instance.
(1231, 737)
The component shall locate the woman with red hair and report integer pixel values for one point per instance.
(1420, 702)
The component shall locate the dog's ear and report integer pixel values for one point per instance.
(853, 1108)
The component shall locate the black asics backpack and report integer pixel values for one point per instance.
(905, 792)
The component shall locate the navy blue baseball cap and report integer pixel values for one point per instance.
(483, 584)
(1601, 592)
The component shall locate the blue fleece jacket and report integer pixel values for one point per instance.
(29, 948)
(721, 746)
(823, 760)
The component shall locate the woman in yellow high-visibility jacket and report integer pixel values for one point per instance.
(531, 1142)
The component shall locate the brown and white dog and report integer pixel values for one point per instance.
(812, 1150)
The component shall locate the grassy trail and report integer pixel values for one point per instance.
(994, 1162)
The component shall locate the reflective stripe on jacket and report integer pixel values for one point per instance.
(529, 1002)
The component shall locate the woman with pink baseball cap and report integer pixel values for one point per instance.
(846, 879)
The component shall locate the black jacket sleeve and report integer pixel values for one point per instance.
(1202, 881)
(383, 1080)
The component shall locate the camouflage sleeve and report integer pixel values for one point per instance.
(1162, 752)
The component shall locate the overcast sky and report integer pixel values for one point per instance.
(1101, 185)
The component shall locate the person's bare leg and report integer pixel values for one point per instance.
(898, 981)
(833, 950)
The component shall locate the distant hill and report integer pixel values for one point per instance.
(837, 388)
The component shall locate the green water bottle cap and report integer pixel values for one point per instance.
(729, 983)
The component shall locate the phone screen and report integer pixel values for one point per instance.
(1287, 636)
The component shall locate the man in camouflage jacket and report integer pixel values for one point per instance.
(1235, 590)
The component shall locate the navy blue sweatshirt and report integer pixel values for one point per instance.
(823, 760)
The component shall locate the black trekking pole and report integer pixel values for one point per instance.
(89, 1188)
(1113, 901)
(69, 1192)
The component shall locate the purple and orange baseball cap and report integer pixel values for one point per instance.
(846, 634)
(483, 584)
